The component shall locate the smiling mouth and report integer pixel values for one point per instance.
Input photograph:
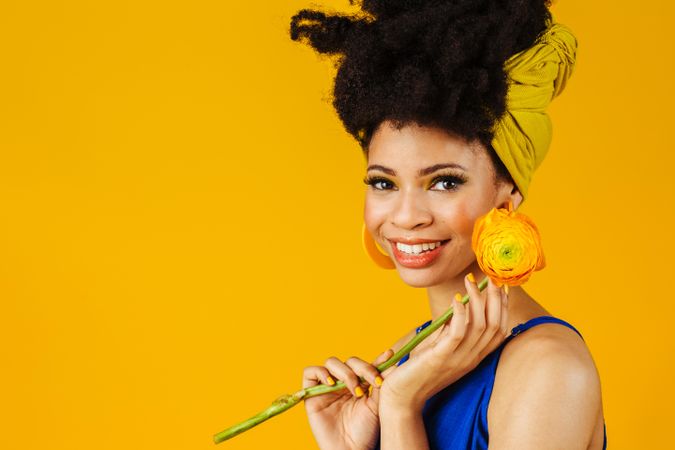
(415, 256)
(418, 249)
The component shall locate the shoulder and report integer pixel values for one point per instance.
(546, 391)
(545, 347)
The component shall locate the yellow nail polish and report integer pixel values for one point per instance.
(471, 277)
(378, 380)
(458, 297)
(359, 391)
(330, 380)
(506, 289)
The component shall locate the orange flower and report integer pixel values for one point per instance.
(507, 246)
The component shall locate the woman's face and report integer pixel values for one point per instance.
(428, 185)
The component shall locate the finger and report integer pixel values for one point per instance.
(503, 331)
(493, 313)
(313, 375)
(373, 394)
(384, 356)
(493, 290)
(457, 328)
(367, 371)
(477, 322)
(345, 374)
(432, 339)
(373, 400)
(385, 373)
(505, 316)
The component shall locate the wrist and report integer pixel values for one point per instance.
(403, 427)
(396, 405)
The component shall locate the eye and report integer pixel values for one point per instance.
(448, 182)
(378, 183)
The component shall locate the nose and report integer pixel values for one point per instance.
(410, 211)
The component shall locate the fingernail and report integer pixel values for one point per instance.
(458, 297)
(330, 380)
(378, 380)
(506, 289)
(359, 391)
(471, 278)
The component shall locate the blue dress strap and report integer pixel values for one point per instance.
(514, 331)
(536, 321)
(424, 325)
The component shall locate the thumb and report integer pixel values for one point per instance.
(374, 397)
(383, 357)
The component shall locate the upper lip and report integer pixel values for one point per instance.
(415, 241)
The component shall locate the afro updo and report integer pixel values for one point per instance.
(433, 62)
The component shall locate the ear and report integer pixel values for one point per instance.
(516, 198)
(510, 192)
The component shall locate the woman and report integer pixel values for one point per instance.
(447, 100)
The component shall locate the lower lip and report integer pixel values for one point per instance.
(416, 261)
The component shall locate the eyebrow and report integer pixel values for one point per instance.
(421, 172)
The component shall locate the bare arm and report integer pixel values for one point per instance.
(556, 404)
(402, 429)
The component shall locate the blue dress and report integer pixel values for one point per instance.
(455, 418)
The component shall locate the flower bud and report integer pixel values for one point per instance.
(507, 245)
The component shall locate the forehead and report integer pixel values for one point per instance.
(415, 146)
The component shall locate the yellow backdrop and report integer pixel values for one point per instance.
(181, 209)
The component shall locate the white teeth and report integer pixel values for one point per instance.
(416, 249)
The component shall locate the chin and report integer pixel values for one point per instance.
(421, 278)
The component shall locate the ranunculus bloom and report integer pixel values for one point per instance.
(507, 246)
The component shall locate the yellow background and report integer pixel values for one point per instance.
(181, 208)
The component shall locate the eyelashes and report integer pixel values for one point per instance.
(456, 180)
(373, 181)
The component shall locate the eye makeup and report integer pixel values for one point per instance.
(456, 178)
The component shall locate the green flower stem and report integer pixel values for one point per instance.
(287, 401)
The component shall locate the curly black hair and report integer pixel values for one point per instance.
(433, 62)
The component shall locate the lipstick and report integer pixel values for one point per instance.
(417, 261)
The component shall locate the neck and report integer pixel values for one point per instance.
(521, 307)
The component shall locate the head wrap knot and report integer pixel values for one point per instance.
(535, 77)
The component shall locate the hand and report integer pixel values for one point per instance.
(341, 419)
(454, 349)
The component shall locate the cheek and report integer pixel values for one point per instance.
(374, 214)
(461, 218)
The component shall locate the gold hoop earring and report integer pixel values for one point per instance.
(372, 249)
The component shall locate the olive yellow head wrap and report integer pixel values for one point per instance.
(536, 76)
